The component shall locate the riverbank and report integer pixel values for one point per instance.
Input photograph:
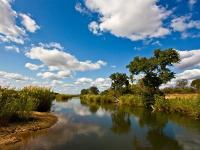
(13, 132)
(183, 104)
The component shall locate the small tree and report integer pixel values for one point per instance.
(196, 84)
(120, 82)
(94, 90)
(84, 91)
(182, 83)
(155, 69)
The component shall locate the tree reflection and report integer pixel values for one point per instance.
(120, 122)
(157, 139)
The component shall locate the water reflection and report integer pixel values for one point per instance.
(93, 126)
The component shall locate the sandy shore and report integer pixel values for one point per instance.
(11, 134)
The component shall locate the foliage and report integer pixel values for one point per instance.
(94, 90)
(84, 91)
(155, 69)
(91, 90)
(120, 82)
(196, 84)
(182, 83)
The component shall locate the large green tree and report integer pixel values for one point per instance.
(120, 82)
(196, 84)
(155, 69)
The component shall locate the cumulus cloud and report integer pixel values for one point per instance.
(13, 76)
(12, 48)
(29, 23)
(101, 83)
(187, 74)
(192, 3)
(9, 30)
(189, 59)
(184, 23)
(33, 67)
(132, 19)
(54, 76)
(81, 9)
(56, 59)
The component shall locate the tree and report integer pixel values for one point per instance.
(155, 69)
(120, 82)
(182, 83)
(196, 84)
(94, 90)
(84, 91)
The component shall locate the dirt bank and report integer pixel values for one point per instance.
(12, 133)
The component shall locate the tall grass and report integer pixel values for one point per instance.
(17, 105)
(181, 105)
(131, 100)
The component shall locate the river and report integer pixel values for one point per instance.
(111, 127)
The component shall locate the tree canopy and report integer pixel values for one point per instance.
(196, 84)
(120, 81)
(156, 68)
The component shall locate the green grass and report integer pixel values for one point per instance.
(131, 100)
(17, 104)
(182, 105)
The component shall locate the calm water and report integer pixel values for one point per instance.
(109, 127)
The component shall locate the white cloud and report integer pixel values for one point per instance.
(83, 81)
(54, 76)
(101, 83)
(29, 23)
(13, 76)
(184, 23)
(12, 48)
(189, 59)
(187, 74)
(132, 19)
(52, 45)
(33, 67)
(192, 3)
(9, 31)
(81, 9)
(56, 59)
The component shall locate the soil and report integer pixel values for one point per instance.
(12, 133)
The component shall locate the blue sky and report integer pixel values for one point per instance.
(73, 44)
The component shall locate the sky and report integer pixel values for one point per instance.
(73, 44)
